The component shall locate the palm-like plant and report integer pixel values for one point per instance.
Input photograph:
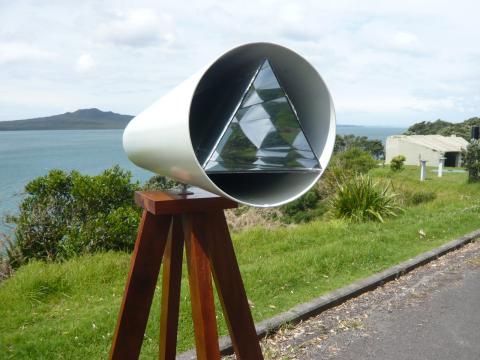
(359, 198)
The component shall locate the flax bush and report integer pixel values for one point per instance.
(359, 198)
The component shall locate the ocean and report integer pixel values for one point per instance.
(372, 132)
(25, 155)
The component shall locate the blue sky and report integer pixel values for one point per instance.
(388, 63)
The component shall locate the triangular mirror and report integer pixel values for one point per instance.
(264, 134)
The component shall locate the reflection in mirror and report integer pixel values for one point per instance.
(264, 134)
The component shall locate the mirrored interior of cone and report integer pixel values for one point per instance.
(264, 134)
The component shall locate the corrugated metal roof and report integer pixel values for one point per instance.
(436, 142)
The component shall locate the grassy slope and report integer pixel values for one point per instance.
(68, 311)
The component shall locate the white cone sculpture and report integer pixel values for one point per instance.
(256, 126)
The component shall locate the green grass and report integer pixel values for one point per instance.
(68, 310)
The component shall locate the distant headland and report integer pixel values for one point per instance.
(83, 119)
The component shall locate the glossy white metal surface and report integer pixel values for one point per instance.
(159, 138)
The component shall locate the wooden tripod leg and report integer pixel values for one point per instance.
(201, 290)
(142, 278)
(171, 284)
(230, 289)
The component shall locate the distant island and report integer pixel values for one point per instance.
(83, 119)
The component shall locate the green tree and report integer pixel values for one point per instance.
(427, 127)
(396, 164)
(444, 128)
(305, 208)
(373, 147)
(471, 160)
(340, 144)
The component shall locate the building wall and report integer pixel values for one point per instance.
(412, 152)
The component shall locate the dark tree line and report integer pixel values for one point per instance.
(441, 127)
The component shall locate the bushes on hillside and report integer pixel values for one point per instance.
(444, 128)
(353, 160)
(359, 198)
(396, 164)
(305, 208)
(5, 246)
(471, 160)
(314, 203)
(373, 147)
(64, 214)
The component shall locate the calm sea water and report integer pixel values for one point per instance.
(372, 132)
(25, 155)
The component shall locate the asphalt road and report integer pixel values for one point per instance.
(431, 313)
(444, 326)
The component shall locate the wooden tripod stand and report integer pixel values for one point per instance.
(168, 222)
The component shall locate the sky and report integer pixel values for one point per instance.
(387, 63)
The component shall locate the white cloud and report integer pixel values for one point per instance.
(85, 63)
(137, 28)
(405, 39)
(394, 104)
(384, 62)
(13, 52)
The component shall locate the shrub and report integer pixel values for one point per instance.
(5, 245)
(471, 160)
(64, 214)
(419, 197)
(113, 231)
(396, 164)
(353, 160)
(159, 182)
(304, 208)
(359, 198)
(345, 142)
(343, 166)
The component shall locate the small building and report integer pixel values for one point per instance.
(426, 147)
